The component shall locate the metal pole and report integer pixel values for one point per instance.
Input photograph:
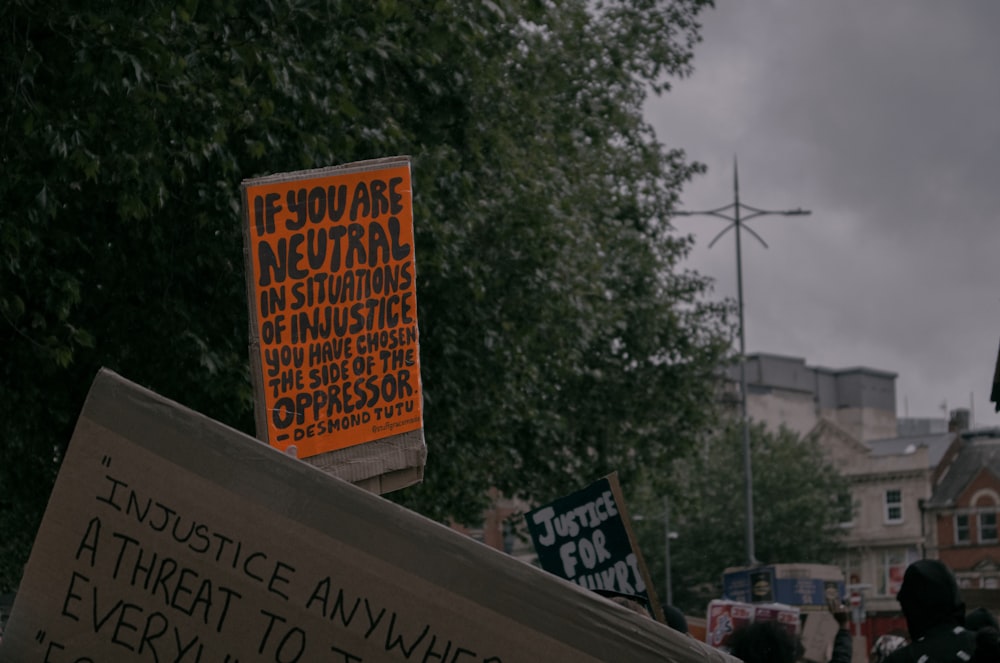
(666, 535)
(747, 469)
(739, 223)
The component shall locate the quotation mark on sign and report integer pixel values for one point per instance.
(40, 637)
(106, 461)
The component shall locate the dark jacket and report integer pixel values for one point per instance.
(935, 616)
(941, 644)
(842, 647)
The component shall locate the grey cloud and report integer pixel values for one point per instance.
(882, 118)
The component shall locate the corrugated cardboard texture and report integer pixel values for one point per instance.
(817, 636)
(169, 536)
(380, 466)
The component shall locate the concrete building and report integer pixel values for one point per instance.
(852, 412)
(890, 480)
(785, 391)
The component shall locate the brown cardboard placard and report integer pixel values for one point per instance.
(171, 533)
(818, 634)
(331, 288)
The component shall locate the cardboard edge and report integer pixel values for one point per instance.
(279, 483)
(654, 600)
(353, 167)
(391, 481)
(256, 369)
(379, 466)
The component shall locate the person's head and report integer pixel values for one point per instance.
(980, 618)
(987, 645)
(675, 618)
(763, 642)
(885, 645)
(634, 603)
(929, 597)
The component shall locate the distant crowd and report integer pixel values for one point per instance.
(940, 630)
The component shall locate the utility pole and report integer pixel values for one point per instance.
(667, 536)
(732, 213)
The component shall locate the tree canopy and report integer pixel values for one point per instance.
(561, 336)
(799, 501)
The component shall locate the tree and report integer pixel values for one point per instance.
(799, 501)
(560, 336)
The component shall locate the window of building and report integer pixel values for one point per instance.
(892, 563)
(988, 527)
(962, 528)
(850, 563)
(893, 506)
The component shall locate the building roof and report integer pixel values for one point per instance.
(910, 426)
(978, 452)
(857, 387)
(937, 444)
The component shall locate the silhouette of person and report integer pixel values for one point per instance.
(764, 642)
(935, 616)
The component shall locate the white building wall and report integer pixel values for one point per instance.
(871, 478)
(795, 410)
(784, 390)
(864, 423)
(880, 549)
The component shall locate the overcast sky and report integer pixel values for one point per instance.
(883, 119)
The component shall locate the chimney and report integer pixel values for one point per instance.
(959, 420)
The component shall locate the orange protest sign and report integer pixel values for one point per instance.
(331, 285)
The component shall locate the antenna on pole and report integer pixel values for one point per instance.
(732, 214)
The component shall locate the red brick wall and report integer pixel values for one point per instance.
(964, 557)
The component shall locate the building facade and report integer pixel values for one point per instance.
(785, 391)
(962, 515)
(890, 480)
(852, 413)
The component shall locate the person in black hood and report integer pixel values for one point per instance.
(980, 618)
(935, 616)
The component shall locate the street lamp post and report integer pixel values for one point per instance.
(732, 214)
(668, 537)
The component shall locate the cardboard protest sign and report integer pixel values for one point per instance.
(725, 617)
(818, 634)
(331, 284)
(170, 537)
(785, 615)
(587, 538)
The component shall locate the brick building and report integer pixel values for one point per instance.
(961, 515)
